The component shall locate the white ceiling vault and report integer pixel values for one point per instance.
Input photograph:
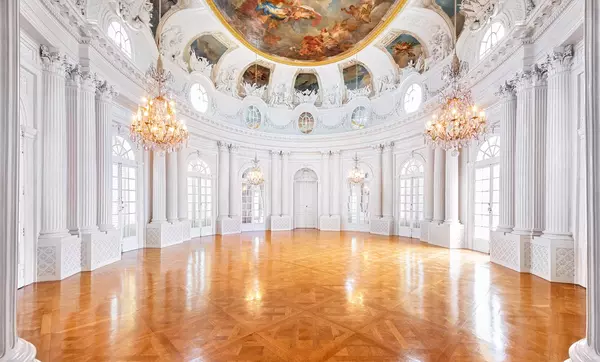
(213, 85)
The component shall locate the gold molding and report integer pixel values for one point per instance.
(391, 15)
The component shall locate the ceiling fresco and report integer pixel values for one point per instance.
(164, 6)
(308, 32)
(447, 6)
(356, 77)
(405, 49)
(205, 46)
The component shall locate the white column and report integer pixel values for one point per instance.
(558, 146)
(159, 188)
(508, 125)
(451, 191)
(104, 95)
(530, 153)
(87, 176)
(275, 184)
(223, 180)
(285, 184)
(378, 192)
(235, 190)
(172, 183)
(326, 191)
(428, 192)
(12, 348)
(182, 191)
(54, 151)
(387, 176)
(73, 113)
(439, 185)
(337, 186)
(588, 349)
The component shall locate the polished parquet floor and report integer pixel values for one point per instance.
(302, 296)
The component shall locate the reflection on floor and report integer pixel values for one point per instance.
(302, 296)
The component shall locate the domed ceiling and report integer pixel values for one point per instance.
(305, 32)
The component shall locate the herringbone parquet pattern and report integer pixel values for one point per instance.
(302, 296)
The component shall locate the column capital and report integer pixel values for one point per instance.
(87, 82)
(275, 153)
(73, 74)
(52, 61)
(561, 60)
(222, 146)
(233, 148)
(379, 147)
(507, 90)
(104, 91)
(325, 154)
(539, 75)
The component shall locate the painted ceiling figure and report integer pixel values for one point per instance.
(292, 11)
(361, 12)
(404, 48)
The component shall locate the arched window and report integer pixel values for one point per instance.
(306, 123)
(120, 37)
(413, 98)
(491, 38)
(253, 117)
(360, 118)
(358, 202)
(124, 186)
(253, 208)
(199, 184)
(412, 179)
(199, 98)
(486, 210)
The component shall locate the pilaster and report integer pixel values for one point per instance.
(508, 124)
(104, 96)
(223, 181)
(235, 190)
(172, 186)
(73, 98)
(379, 224)
(283, 221)
(428, 194)
(182, 192)
(12, 348)
(439, 181)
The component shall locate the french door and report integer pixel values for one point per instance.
(200, 205)
(486, 205)
(253, 210)
(124, 215)
(411, 203)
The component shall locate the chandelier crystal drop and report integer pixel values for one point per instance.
(155, 126)
(255, 176)
(356, 176)
(460, 122)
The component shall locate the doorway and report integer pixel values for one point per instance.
(124, 192)
(486, 201)
(305, 199)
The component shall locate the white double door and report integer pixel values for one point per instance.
(124, 209)
(305, 201)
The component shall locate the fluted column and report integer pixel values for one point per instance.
(172, 186)
(428, 191)
(275, 183)
(54, 150)
(530, 153)
(451, 188)
(387, 176)
(182, 191)
(159, 188)
(87, 176)
(12, 348)
(378, 192)
(508, 125)
(336, 189)
(439, 185)
(588, 349)
(104, 96)
(285, 184)
(235, 191)
(223, 180)
(326, 192)
(74, 118)
(558, 146)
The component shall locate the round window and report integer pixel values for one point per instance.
(306, 123)
(413, 98)
(199, 98)
(253, 117)
(360, 117)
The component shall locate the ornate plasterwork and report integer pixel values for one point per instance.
(227, 81)
(255, 90)
(170, 44)
(281, 97)
(357, 93)
(136, 13)
(200, 65)
(332, 97)
(441, 45)
(478, 13)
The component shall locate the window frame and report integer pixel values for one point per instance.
(119, 36)
(409, 100)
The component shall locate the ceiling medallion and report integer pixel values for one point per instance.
(155, 126)
(460, 121)
(308, 32)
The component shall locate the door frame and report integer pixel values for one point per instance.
(316, 203)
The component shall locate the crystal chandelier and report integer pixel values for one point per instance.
(255, 177)
(356, 175)
(460, 121)
(155, 126)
